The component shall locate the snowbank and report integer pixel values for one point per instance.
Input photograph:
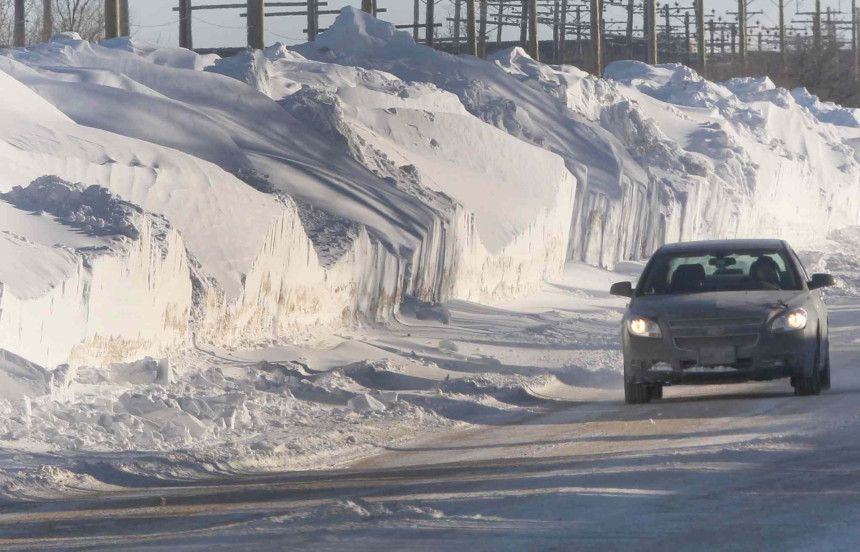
(258, 198)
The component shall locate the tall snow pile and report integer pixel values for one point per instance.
(152, 196)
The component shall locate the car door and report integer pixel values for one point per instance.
(816, 296)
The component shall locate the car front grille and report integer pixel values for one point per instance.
(701, 333)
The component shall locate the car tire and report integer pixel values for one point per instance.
(656, 391)
(636, 393)
(810, 385)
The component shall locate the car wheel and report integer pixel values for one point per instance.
(656, 391)
(810, 385)
(636, 393)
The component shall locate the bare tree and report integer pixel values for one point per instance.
(85, 17)
(7, 21)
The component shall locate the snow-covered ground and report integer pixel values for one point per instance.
(298, 257)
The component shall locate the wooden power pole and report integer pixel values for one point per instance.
(47, 20)
(854, 30)
(534, 45)
(416, 20)
(482, 30)
(562, 33)
(367, 6)
(430, 23)
(471, 36)
(313, 20)
(112, 22)
(457, 21)
(742, 31)
(185, 38)
(629, 30)
(816, 27)
(256, 24)
(124, 18)
(20, 25)
(597, 36)
(651, 30)
(524, 23)
(782, 58)
(701, 46)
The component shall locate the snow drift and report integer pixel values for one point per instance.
(248, 199)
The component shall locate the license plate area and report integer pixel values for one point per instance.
(717, 356)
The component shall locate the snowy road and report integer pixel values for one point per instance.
(732, 467)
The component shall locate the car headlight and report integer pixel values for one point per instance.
(642, 327)
(790, 321)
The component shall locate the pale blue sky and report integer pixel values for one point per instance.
(153, 20)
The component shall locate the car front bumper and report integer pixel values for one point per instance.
(773, 356)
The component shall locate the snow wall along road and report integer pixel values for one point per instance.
(151, 194)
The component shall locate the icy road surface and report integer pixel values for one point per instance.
(718, 468)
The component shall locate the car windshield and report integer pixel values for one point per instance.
(700, 272)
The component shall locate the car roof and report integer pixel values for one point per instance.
(721, 245)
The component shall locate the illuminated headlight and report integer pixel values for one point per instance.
(791, 321)
(642, 327)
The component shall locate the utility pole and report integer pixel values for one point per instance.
(313, 20)
(855, 53)
(651, 30)
(185, 40)
(597, 36)
(471, 39)
(257, 24)
(416, 20)
(482, 30)
(816, 27)
(124, 18)
(367, 6)
(534, 45)
(430, 23)
(734, 31)
(579, 33)
(112, 29)
(687, 44)
(782, 56)
(524, 23)
(20, 33)
(457, 26)
(700, 37)
(562, 33)
(47, 20)
(500, 19)
(711, 31)
(742, 31)
(629, 29)
(555, 31)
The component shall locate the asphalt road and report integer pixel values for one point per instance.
(744, 467)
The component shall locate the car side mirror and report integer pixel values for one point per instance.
(622, 289)
(819, 281)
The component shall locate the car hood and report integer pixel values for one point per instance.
(724, 304)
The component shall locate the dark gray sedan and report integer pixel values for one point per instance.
(721, 312)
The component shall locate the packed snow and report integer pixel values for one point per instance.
(292, 257)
